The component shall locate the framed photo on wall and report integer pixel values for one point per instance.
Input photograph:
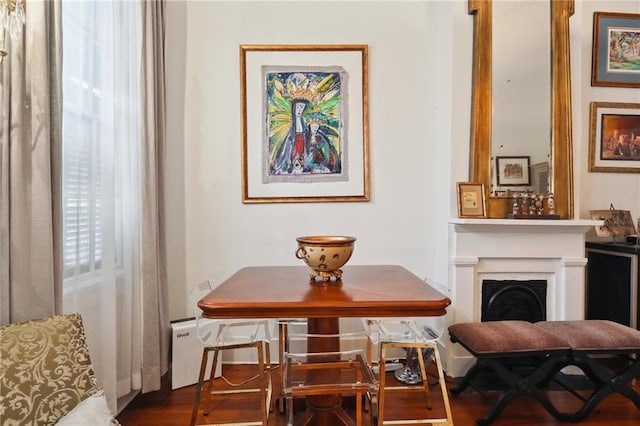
(304, 123)
(614, 137)
(616, 57)
(513, 171)
(471, 201)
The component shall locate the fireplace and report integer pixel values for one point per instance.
(539, 263)
(514, 300)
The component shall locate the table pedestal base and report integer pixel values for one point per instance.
(324, 410)
(334, 416)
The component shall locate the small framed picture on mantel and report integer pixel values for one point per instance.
(471, 201)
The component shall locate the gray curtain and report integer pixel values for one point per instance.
(155, 320)
(30, 173)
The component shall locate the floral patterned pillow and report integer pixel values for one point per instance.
(45, 370)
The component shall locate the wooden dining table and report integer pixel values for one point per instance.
(289, 292)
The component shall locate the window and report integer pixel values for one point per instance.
(100, 131)
(82, 231)
(101, 138)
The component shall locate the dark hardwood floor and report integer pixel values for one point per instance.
(173, 408)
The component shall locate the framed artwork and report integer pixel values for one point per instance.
(614, 137)
(513, 171)
(616, 56)
(471, 201)
(616, 223)
(304, 123)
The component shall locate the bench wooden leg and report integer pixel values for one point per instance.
(467, 380)
(607, 382)
(518, 385)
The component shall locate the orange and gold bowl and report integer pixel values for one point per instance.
(325, 254)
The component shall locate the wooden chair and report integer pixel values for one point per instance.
(224, 335)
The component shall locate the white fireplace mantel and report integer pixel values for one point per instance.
(522, 225)
(514, 249)
(518, 223)
(530, 238)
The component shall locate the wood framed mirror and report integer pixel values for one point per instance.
(560, 164)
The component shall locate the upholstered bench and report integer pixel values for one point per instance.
(549, 346)
(599, 337)
(495, 344)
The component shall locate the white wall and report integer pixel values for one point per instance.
(598, 190)
(411, 100)
(420, 87)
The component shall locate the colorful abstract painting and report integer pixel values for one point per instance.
(304, 124)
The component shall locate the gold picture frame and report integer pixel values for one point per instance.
(304, 123)
(614, 137)
(471, 199)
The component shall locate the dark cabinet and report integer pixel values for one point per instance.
(612, 282)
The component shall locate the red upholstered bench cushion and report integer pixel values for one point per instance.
(506, 338)
(594, 335)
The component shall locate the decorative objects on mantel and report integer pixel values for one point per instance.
(531, 205)
(325, 254)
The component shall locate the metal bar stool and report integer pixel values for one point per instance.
(326, 374)
(284, 326)
(401, 333)
(224, 335)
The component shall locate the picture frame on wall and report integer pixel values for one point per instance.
(513, 171)
(304, 123)
(471, 201)
(615, 58)
(614, 137)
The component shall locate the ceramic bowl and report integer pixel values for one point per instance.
(325, 254)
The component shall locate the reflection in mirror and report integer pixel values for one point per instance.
(521, 89)
(513, 112)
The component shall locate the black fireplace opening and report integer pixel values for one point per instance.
(524, 300)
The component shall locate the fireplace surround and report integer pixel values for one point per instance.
(480, 250)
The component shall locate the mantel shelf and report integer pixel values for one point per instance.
(524, 225)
